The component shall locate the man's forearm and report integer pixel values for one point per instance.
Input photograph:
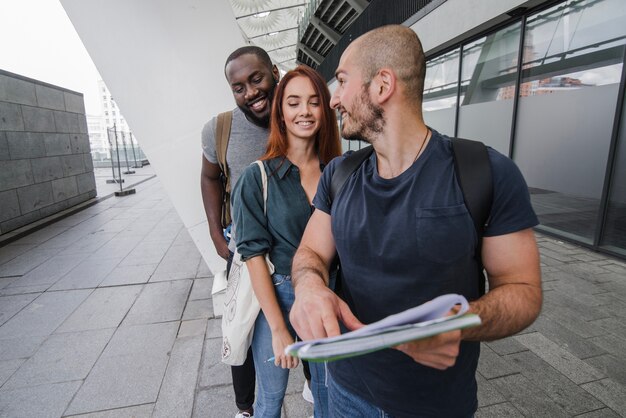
(212, 201)
(505, 311)
(308, 267)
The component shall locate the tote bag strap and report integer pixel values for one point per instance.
(264, 182)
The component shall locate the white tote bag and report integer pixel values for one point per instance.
(241, 306)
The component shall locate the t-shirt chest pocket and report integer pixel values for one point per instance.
(445, 234)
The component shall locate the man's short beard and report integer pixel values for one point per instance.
(372, 118)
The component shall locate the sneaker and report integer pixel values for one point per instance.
(243, 414)
(306, 392)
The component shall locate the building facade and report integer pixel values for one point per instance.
(542, 82)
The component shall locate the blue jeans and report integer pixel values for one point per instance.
(272, 380)
(344, 404)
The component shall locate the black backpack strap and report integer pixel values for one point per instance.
(473, 170)
(345, 170)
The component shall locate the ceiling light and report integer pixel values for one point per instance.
(261, 15)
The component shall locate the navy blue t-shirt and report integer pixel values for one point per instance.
(402, 242)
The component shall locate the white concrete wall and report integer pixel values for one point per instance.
(163, 63)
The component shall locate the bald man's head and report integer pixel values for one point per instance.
(396, 47)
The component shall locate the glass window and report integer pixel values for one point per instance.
(488, 79)
(572, 61)
(614, 236)
(440, 92)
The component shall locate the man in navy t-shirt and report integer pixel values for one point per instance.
(405, 236)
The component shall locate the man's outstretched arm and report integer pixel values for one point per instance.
(514, 298)
(211, 188)
(317, 309)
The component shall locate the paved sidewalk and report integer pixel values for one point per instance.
(107, 313)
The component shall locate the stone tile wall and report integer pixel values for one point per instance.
(45, 160)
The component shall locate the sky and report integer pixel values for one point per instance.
(38, 40)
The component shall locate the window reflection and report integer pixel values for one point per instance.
(572, 62)
(440, 92)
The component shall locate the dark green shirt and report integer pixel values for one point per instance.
(288, 211)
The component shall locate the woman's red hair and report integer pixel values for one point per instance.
(327, 143)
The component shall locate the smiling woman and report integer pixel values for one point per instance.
(303, 139)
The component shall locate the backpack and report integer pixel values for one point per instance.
(222, 136)
(473, 171)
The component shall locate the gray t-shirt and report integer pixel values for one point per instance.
(247, 143)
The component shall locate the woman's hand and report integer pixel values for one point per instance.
(280, 340)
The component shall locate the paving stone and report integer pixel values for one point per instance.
(611, 366)
(7, 368)
(62, 358)
(11, 305)
(49, 97)
(487, 393)
(491, 365)
(573, 322)
(9, 205)
(49, 271)
(45, 401)
(23, 290)
(147, 253)
(563, 361)
(600, 413)
(526, 397)
(611, 343)
(19, 347)
(15, 249)
(14, 174)
(89, 243)
(38, 120)
(192, 328)
(180, 262)
(506, 346)
(214, 328)
(141, 411)
(212, 371)
(559, 388)
(11, 117)
(130, 370)
(613, 325)
(176, 396)
(129, 275)
(25, 145)
(610, 392)
(203, 270)
(116, 247)
(198, 309)
(498, 411)
(43, 315)
(201, 289)
(566, 339)
(159, 302)
(215, 402)
(104, 308)
(294, 406)
(86, 275)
